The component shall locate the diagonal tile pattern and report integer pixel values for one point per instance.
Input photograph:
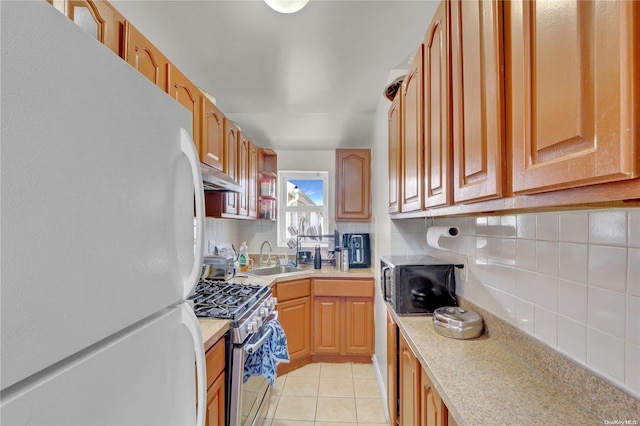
(325, 394)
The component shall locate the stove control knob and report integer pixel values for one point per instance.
(272, 303)
(253, 326)
(264, 312)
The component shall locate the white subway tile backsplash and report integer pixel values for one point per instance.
(547, 257)
(632, 370)
(508, 226)
(525, 315)
(546, 292)
(633, 320)
(633, 273)
(572, 300)
(526, 254)
(574, 261)
(608, 267)
(572, 338)
(571, 279)
(525, 285)
(526, 226)
(634, 228)
(546, 326)
(606, 354)
(508, 251)
(606, 311)
(574, 227)
(547, 227)
(608, 227)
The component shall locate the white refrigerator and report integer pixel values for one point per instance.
(98, 177)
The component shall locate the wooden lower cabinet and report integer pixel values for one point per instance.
(215, 360)
(294, 314)
(392, 368)
(433, 412)
(409, 388)
(420, 402)
(343, 317)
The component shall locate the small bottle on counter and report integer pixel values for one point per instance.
(338, 258)
(317, 259)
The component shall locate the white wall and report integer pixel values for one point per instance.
(570, 279)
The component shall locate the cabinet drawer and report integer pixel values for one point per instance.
(215, 360)
(293, 289)
(343, 288)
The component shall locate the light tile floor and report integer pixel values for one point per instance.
(327, 395)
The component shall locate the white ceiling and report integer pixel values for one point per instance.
(306, 80)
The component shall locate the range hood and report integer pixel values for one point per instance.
(214, 180)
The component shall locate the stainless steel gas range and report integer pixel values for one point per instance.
(248, 308)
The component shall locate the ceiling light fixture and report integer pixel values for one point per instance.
(286, 6)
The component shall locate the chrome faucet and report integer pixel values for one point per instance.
(260, 262)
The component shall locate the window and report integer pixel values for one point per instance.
(303, 205)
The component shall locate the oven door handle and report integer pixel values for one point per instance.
(252, 348)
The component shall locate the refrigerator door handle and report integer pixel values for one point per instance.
(189, 150)
(191, 322)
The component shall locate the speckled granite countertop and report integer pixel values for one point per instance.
(213, 329)
(482, 384)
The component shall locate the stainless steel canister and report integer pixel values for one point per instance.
(338, 258)
(345, 260)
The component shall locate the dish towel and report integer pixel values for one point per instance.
(263, 362)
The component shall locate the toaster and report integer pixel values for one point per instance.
(217, 268)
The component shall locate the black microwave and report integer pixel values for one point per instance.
(417, 284)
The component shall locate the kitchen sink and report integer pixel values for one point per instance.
(273, 270)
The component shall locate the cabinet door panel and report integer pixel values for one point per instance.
(477, 111)
(231, 141)
(243, 174)
(215, 413)
(432, 411)
(359, 327)
(409, 385)
(144, 57)
(394, 154)
(570, 99)
(411, 170)
(212, 135)
(183, 91)
(392, 368)
(252, 182)
(99, 19)
(326, 327)
(437, 143)
(295, 318)
(353, 183)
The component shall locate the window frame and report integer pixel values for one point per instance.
(283, 177)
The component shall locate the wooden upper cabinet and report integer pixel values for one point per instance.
(411, 164)
(231, 141)
(212, 149)
(181, 89)
(437, 142)
(243, 174)
(252, 182)
(98, 18)
(571, 92)
(395, 138)
(477, 102)
(144, 56)
(353, 184)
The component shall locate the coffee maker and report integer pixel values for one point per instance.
(359, 249)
